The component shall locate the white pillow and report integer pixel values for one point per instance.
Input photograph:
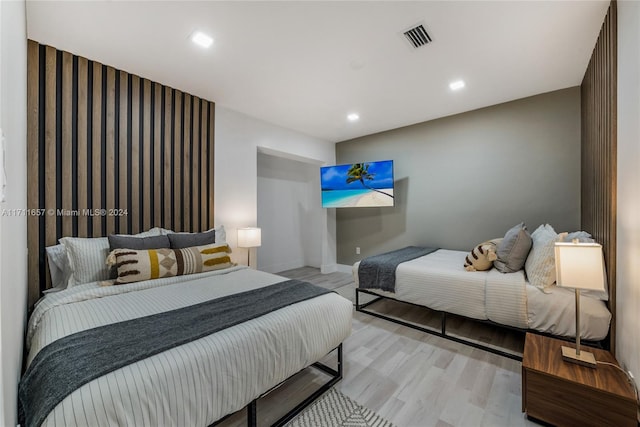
(582, 236)
(221, 235)
(541, 263)
(155, 231)
(87, 257)
(58, 267)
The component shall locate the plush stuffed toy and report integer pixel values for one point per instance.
(482, 256)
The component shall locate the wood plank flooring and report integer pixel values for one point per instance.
(411, 378)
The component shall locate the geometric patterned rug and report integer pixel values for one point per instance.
(334, 409)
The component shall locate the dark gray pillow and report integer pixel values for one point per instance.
(121, 241)
(187, 240)
(125, 241)
(513, 250)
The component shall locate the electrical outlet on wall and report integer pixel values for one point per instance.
(357, 250)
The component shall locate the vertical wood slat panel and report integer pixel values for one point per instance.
(111, 143)
(50, 146)
(195, 167)
(83, 164)
(204, 223)
(123, 154)
(135, 154)
(177, 156)
(146, 155)
(67, 184)
(33, 156)
(599, 151)
(98, 138)
(157, 144)
(186, 155)
(167, 184)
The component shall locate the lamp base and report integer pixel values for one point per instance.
(584, 358)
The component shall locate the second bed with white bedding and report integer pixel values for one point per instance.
(440, 282)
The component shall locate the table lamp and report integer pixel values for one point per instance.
(249, 237)
(579, 266)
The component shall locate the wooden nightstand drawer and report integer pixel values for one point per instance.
(565, 403)
(566, 394)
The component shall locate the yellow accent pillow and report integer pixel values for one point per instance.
(148, 264)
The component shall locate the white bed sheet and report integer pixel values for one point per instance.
(197, 383)
(440, 282)
(555, 313)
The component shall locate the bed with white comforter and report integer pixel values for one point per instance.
(439, 281)
(199, 382)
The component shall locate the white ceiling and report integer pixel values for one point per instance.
(306, 65)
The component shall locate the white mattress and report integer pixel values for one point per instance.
(555, 313)
(440, 282)
(437, 281)
(197, 383)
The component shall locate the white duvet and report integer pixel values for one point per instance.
(197, 383)
(440, 282)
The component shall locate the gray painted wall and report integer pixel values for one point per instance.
(467, 178)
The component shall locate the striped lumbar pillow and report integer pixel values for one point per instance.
(137, 265)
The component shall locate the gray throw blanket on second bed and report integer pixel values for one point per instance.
(72, 361)
(379, 271)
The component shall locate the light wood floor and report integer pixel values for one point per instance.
(409, 377)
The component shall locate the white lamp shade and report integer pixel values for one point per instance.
(250, 237)
(580, 266)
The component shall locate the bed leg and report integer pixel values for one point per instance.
(443, 327)
(252, 414)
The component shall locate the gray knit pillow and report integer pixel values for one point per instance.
(513, 250)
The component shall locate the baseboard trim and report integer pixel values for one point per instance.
(343, 268)
(333, 268)
(283, 266)
(328, 268)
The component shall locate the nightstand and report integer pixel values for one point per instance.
(567, 394)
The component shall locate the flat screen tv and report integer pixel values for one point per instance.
(357, 185)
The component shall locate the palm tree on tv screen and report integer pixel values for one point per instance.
(360, 172)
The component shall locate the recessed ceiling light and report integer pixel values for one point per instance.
(201, 39)
(458, 84)
(353, 117)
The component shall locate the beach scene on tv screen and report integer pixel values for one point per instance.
(357, 185)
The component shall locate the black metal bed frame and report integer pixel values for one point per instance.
(252, 407)
(443, 325)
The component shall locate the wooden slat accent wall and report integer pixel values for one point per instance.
(599, 152)
(101, 138)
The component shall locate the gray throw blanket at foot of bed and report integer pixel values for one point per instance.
(70, 362)
(379, 271)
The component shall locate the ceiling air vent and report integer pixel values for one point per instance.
(417, 36)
